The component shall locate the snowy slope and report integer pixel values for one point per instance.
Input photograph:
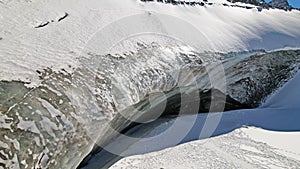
(243, 148)
(59, 44)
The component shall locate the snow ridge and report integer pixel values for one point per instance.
(278, 4)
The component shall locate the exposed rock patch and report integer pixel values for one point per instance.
(261, 4)
(43, 24)
(63, 17)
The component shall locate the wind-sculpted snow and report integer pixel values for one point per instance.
(57, 123)
(234, 150)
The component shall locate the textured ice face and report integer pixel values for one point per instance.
(250, 78)
(57, 123)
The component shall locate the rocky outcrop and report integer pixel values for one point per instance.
(280, 4)
(261, 4)
(253, 2)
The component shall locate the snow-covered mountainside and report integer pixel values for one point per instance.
(57, 45)
(70, 69)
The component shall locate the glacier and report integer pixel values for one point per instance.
(69, 68)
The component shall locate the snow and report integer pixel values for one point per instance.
(59, 45)
(243, 148)
(284, 141)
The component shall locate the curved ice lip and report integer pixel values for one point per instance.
(269, 115)
(279, 113)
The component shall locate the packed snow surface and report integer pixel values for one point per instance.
(243, 148)
(40, 34)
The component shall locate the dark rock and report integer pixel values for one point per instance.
(63, 17)
(42, 24)
(259, 9)
(280, 4)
